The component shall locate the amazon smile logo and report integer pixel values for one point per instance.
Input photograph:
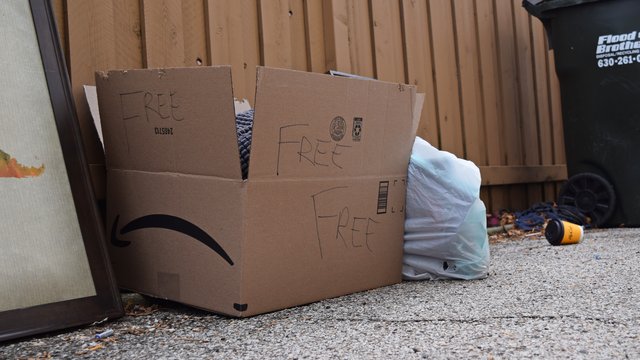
(168, 222)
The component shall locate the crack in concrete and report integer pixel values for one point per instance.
(486, 319)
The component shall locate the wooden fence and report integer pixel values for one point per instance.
(492, 93)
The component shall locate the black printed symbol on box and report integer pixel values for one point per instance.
(383, 197)
(338, 128)
(356, 133)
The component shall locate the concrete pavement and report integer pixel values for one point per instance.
(576, 301)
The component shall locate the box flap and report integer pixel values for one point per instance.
(418, 103)
(91, 97)
(177, 120)
(310, 125)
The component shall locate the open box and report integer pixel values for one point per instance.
(320, 215)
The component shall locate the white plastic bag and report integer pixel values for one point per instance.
(446, 224)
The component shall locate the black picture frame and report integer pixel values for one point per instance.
(107, 302)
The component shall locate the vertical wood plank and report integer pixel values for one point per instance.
(128, 34)
(446, 77)
(557, 128)
(348, 36)
(233, 38)
(556, 112)
(470, 88)
(163, 33)
(387, 35)
(60, 14)
(315, 41)
(510, 120)
(505, 192)
(527, 98)
(361, 54)
(221, 15)
(92, 46)
(298, 35)
(276, 33)
(102, 35)
(336, 35)
(194, 33)
(490, 80)
(542, 101)
(417, 48)
(485, 196)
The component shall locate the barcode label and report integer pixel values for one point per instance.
(383, 197)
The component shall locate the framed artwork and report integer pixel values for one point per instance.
(54, 268)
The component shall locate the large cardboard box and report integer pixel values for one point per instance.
(320, 215)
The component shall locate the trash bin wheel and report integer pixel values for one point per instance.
(592, 194)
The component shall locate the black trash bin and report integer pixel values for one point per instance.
(597, 57)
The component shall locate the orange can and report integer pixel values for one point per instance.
(560, 232)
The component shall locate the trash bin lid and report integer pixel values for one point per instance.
(542, 8)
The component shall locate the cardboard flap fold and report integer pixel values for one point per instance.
(177, 120)
(418, 104)
(310, 125)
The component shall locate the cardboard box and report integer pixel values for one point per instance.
(321, 214)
